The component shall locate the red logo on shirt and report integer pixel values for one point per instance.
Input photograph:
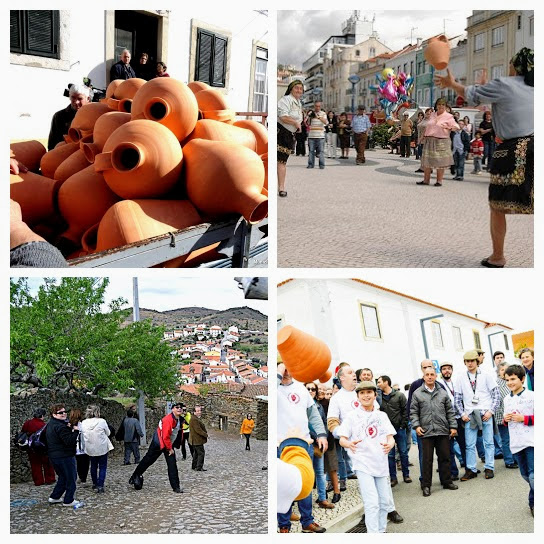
(355, 404)
(294, 398)
(372, 431)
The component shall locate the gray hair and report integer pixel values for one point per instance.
(499, 366)
(92, 411)
(81, 89)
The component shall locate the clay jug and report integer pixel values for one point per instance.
(72, 164)
(197, 86)
(437, 52)
(264, 158)
(37, 196)
(84, 120)
(261, 134)
(124, 93)
(28, 153)
(208, 129)
(306, 357)
(83, 200)
(141, 159)
(224, 177)
(103, 129)
(168, 102)
(212, 104)
(110, 91)
(54, 158)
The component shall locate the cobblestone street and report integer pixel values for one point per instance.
(231, 497)
(375, 215)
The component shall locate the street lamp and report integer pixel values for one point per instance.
(353, 79)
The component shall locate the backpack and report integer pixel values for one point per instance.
(37, 441)
(20, 440)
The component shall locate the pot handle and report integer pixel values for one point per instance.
(102, 162)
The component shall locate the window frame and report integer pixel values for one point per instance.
(476, 338)
(252, 83)
(360, 304)
(506, 343)
(494, 32)
(457, 345)
(25, 34)
(433, 329)
(481, 35)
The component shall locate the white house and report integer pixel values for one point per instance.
(51, 48)
(390, 332)
(215, 331)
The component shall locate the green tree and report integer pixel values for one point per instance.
(62, 339)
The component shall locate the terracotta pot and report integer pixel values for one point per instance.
(71, 165)
(54, 158)
(141, 159)
(103, 128)
(224, 177)
(168, 102)
(124, 93)
(37, 196)
(264, 158)
(131, 221)
(224, 116)
(110, 91)
(28, 153)
(437, 52)
(84, 120)
(207, 129)
(306, 357)
(83, 200)
(213, 104)
(197, 86)
(264, 191)
(261, 134)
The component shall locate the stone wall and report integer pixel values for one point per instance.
(226, 411)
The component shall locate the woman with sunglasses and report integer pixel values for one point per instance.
(317, 457)
(61, 447)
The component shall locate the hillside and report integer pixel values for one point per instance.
(242, 317)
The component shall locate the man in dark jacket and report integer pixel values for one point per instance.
(61, 442)
(394, 405)
(132, 433)
(433, 419)
(165, 438)
(122, 68)
(198, 436)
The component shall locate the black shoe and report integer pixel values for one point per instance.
(454, 478)
(201, 469)
(343, 485)
(130, 480)
(426, 492)
(395, 517)
(532, 510)
(469, 475)
(499, 456)
(453, 487)
(478, 471)
(407, 480)
(329, 487)
(394, 483)
(352, 477)
(264, 468)
(336, 497)
(489, 474)
(177, 490)
(100, 489)
(513, 465)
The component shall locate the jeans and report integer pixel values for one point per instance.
(525, 458)
(459, 162)
(453, 465)
(319, 470)
(304, 507)
(489, 449)
(316, 145)
(505, 441)
(375, 494)
(99, 465)
(400, 441)
(65, 467)
(184, 439)
(132, 448)
(419, 151)
(489, 148)
(331, 145)
(477, 164)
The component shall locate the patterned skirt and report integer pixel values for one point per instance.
(511, 188)
(436, 153)
(286, 143)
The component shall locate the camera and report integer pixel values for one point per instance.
(475, 399)
(311, 114)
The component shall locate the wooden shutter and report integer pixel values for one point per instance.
(204, 56)
(211, 60)
(219, 62)
(35, 32)
(15, 32)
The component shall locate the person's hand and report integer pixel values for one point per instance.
(444, 82)
(323, 443)
(171, 452)
(465, 418)
(297, 125)
(281, 369)
(453, 433)
(420, 431)
(482, 80)
(386, 447)
(487, 416)
(16, 167)
(352, 446)
(520, 418)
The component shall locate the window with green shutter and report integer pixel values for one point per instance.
(34, 32)
(211, 60)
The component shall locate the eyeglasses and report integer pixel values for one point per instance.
(61, 412)
(311, 389)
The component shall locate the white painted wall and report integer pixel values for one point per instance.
(329, 309)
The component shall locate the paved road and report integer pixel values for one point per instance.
(484, 506)
(230, 498)
(376, 216)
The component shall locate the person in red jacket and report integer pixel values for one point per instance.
(167, 436)
(40, 465)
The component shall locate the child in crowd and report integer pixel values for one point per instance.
(519, 415)
(477, 150)
(461, 147)
(367, 434)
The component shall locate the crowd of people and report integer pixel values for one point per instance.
(122, 69)
(362, 428)
(74, 444)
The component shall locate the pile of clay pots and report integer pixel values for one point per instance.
(151, 158)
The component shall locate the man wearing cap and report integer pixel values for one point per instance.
(406, 127)
(433, 419)
(163, 442)
(477, 396)
(446, 371)
(340, 406)
(361, 128)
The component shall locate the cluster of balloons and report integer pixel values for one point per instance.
(394, 90)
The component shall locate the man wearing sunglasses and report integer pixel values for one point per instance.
(61, 442)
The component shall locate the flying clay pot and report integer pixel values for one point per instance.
(28, 153)
(437, 52)
(224, 177)
(306, 357)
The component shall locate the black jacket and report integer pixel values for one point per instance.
(120, 70)
(465, 138)
(61, 440)
(394, 406)
(59, 126)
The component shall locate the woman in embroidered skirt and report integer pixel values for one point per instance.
(289, 121)
(511, 188)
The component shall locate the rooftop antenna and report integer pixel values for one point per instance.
(412, 34)
(444, 20)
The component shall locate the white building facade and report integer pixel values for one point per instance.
(391, 333)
